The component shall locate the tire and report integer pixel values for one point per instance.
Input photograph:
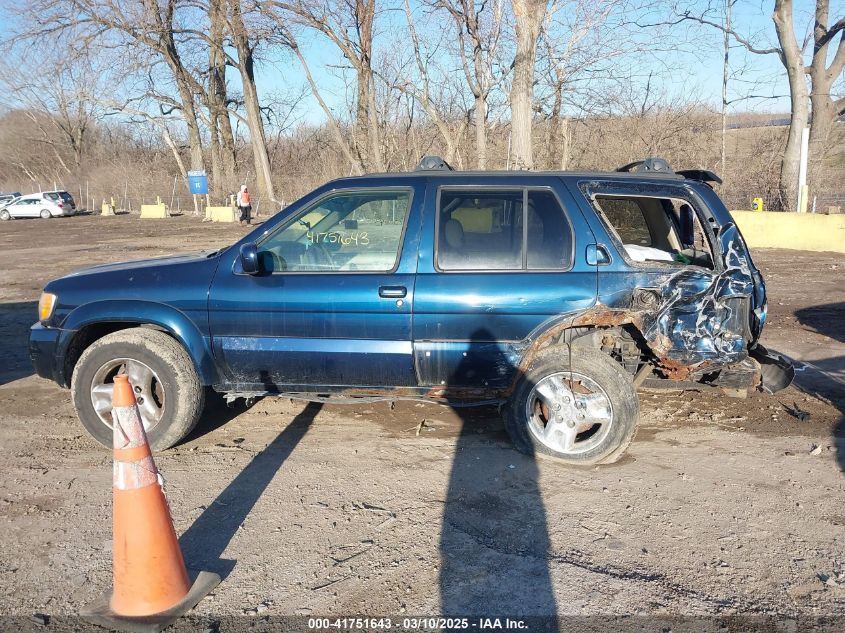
(174, 392)
(45, 213)
(5, 215)
(598, 408)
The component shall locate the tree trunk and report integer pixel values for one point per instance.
(165, 133)
(824, 114)
(366, 120)
(374, 148)
(565, 136)
(824, 109)
(222, 139)
(529, 15)
(189, 113)
(263, 173)
(480, 121)
(792, 61)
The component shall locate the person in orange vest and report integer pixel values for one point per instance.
(244, 203)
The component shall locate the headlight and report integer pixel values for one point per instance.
(46, 305)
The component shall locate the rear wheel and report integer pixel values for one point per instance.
(5, 215)
(581, 412)
(168, 391)
(45, 213)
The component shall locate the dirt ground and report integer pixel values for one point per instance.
(720, 507)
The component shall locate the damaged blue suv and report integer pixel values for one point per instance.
(554, 294)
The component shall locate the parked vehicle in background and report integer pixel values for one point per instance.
(554, 294)
(6, 198)
(61, 196)
(47, 204)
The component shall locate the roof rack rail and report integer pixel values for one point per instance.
(433, 163)
(659, 165)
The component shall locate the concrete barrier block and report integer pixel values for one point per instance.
(798, 231)
(220, 214)
(154, 211)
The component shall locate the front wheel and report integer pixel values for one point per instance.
(45, 213)
(581, 409)
(167, 389)
(5, 215)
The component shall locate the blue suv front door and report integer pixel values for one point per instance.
(331, 305)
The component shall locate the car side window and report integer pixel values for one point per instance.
(656, 229)
(627, 217)
(348, 231)
(549, 236)
(480, 230)
(486, 230)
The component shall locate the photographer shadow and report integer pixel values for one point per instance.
(826, 378)
(494, 543)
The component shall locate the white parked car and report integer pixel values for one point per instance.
(48, 204)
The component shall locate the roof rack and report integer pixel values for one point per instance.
(661, 166)
(433, 163)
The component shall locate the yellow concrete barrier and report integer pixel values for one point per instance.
(156, 211)
(220, 214)
(798, 231)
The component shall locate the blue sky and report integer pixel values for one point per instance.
(692, 68)
(690, 65)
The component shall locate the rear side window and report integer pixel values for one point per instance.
(502, 230)
(66, 196)
(626, 216)
(52, 196)
(480, 230)
(657, 229)
(549, 238)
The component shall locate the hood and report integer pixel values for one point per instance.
(181, 281)
(143, 264)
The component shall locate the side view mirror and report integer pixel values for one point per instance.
(249, 258)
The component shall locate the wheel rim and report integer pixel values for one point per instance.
(149, 391)
(45, 214)
(569, 413)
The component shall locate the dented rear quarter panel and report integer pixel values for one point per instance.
(698, 318)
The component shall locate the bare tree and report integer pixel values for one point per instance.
(425, 89)
(581, 44)
(59, 99)
(528, 18)
(124, 25)
(223, 154)
(245, 44)
(349, 25)
(478, 26)
(826, 107)
(822, 74)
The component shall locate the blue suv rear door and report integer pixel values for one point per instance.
(500, 257)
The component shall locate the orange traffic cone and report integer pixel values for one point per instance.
(151, 584)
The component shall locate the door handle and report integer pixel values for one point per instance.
(392, 292)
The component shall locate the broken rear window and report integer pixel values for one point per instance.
(655, 229)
